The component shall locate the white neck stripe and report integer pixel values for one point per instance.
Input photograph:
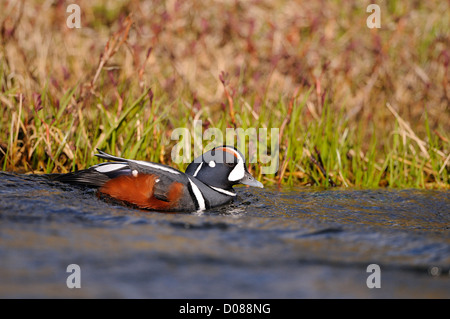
(198, 195)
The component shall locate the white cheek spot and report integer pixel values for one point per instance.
(157, 180)
(238, 172)
(212, 164)
(134, 173)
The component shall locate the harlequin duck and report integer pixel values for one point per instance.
(208, 181)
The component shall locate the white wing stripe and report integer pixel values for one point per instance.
(163, 168)
(110, 167)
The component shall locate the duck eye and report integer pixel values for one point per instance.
(230, 164)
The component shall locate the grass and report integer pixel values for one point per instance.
(355, 107)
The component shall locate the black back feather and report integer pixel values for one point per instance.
(87, 177)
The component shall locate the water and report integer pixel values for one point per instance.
(269, 243)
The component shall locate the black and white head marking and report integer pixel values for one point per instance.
(238, 171)
(198, 169)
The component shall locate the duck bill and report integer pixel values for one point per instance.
(249, 180)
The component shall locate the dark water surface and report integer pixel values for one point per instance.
(270, 243)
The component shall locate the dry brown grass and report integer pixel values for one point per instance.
(320, 51)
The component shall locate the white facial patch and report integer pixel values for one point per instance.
(238, 172)
(134, 173)
(212, 164)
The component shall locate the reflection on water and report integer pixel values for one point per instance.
(269, 243)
